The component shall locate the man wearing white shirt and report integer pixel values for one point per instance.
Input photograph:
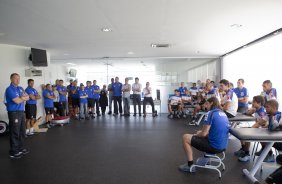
(126, 88)
(148, 98)
(136, 88)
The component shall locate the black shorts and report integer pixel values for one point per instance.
(63, 105)
(275, 177)
(90, 102)
(75, 102)
(202, 144)
(57, 105)
(30, 111)
(49, 110)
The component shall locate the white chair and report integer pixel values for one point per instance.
(214, 162)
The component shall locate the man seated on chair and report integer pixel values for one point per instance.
(213, 138)
(261, 121)
(274, 122)
(185, 100)
(209, 92)
(228, 99)
(194, 91)
(174, 102)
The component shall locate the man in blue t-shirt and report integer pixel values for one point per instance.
(15, 97)
(243, 96)
(117, 92)
(96, 96)
(62, 98)
(74, 97)
(83, 95)
(49, 98)
(90, 100)
(30, 107)
(213, 138)
(182, 89)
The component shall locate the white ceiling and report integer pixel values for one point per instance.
(72, 29)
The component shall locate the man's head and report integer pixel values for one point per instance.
(48, 87)
(71, 81)
(208, 81)
(224, 84)
(147, 84)
(176, 92)
(88, 83)
(54, 87)
(258, 101)
(30, 82)
(104, 86)
(126, 80)
(194, 84)
(231, 86)
(212, 103)
(209, 86)
(112, 80)
(94, 82)
(186, 92)
(57, 82)
(15, 79)
(240, 83)
(266, 85)
(61, 82)
(116, 79)
(82, 86)
(75, 82)
(136, 79)
(271, 107)
(182, 84)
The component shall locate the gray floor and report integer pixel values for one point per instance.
(110, 150)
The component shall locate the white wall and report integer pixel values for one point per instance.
(14, 59)
(256, 64)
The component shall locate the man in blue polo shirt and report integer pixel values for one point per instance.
(213, 138)
(15, 97)
(74, 97)
(182, 89)
(30, 107)
(96, 96)
(62, 98)
(243, 96)
(90, 100)
(117, 91)
(49, 98)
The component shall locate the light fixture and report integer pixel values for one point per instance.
(160, 45)
(236, 25)
(71, 64)
(66, 54)
(130, 53)
(106, 29)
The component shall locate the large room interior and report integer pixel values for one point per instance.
(163, 42)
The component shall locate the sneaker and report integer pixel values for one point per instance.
(115, 114)
(110, 112)
(185, 168)
(269, 158)
(140, 115)
(98, 114)
(16, 156)
(258, 153)
(48, 125)
(244, 158)
(134, 114)
(23, 152)
(239, 153)
(145, 115)
(170, 116)
(29, 134)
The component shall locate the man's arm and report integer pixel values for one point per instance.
(204, 132)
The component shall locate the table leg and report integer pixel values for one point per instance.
(257, 165)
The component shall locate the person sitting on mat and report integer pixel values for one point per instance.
(261, 121)
(213, 138)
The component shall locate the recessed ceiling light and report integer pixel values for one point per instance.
(106, 29)
(71, 64)
(236, 25)
(130, 53)
(160, 45)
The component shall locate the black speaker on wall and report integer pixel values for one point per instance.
(158, 94)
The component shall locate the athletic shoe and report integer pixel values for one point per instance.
(244, 158)
(145, 115)
(140, 115)
(29, 134)
(170, 116)
(134, 114)
(269, 158)
(239, 153)
(110, 112)
(16, 156)
(23, 152)
(185, 168)
(48, 125)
